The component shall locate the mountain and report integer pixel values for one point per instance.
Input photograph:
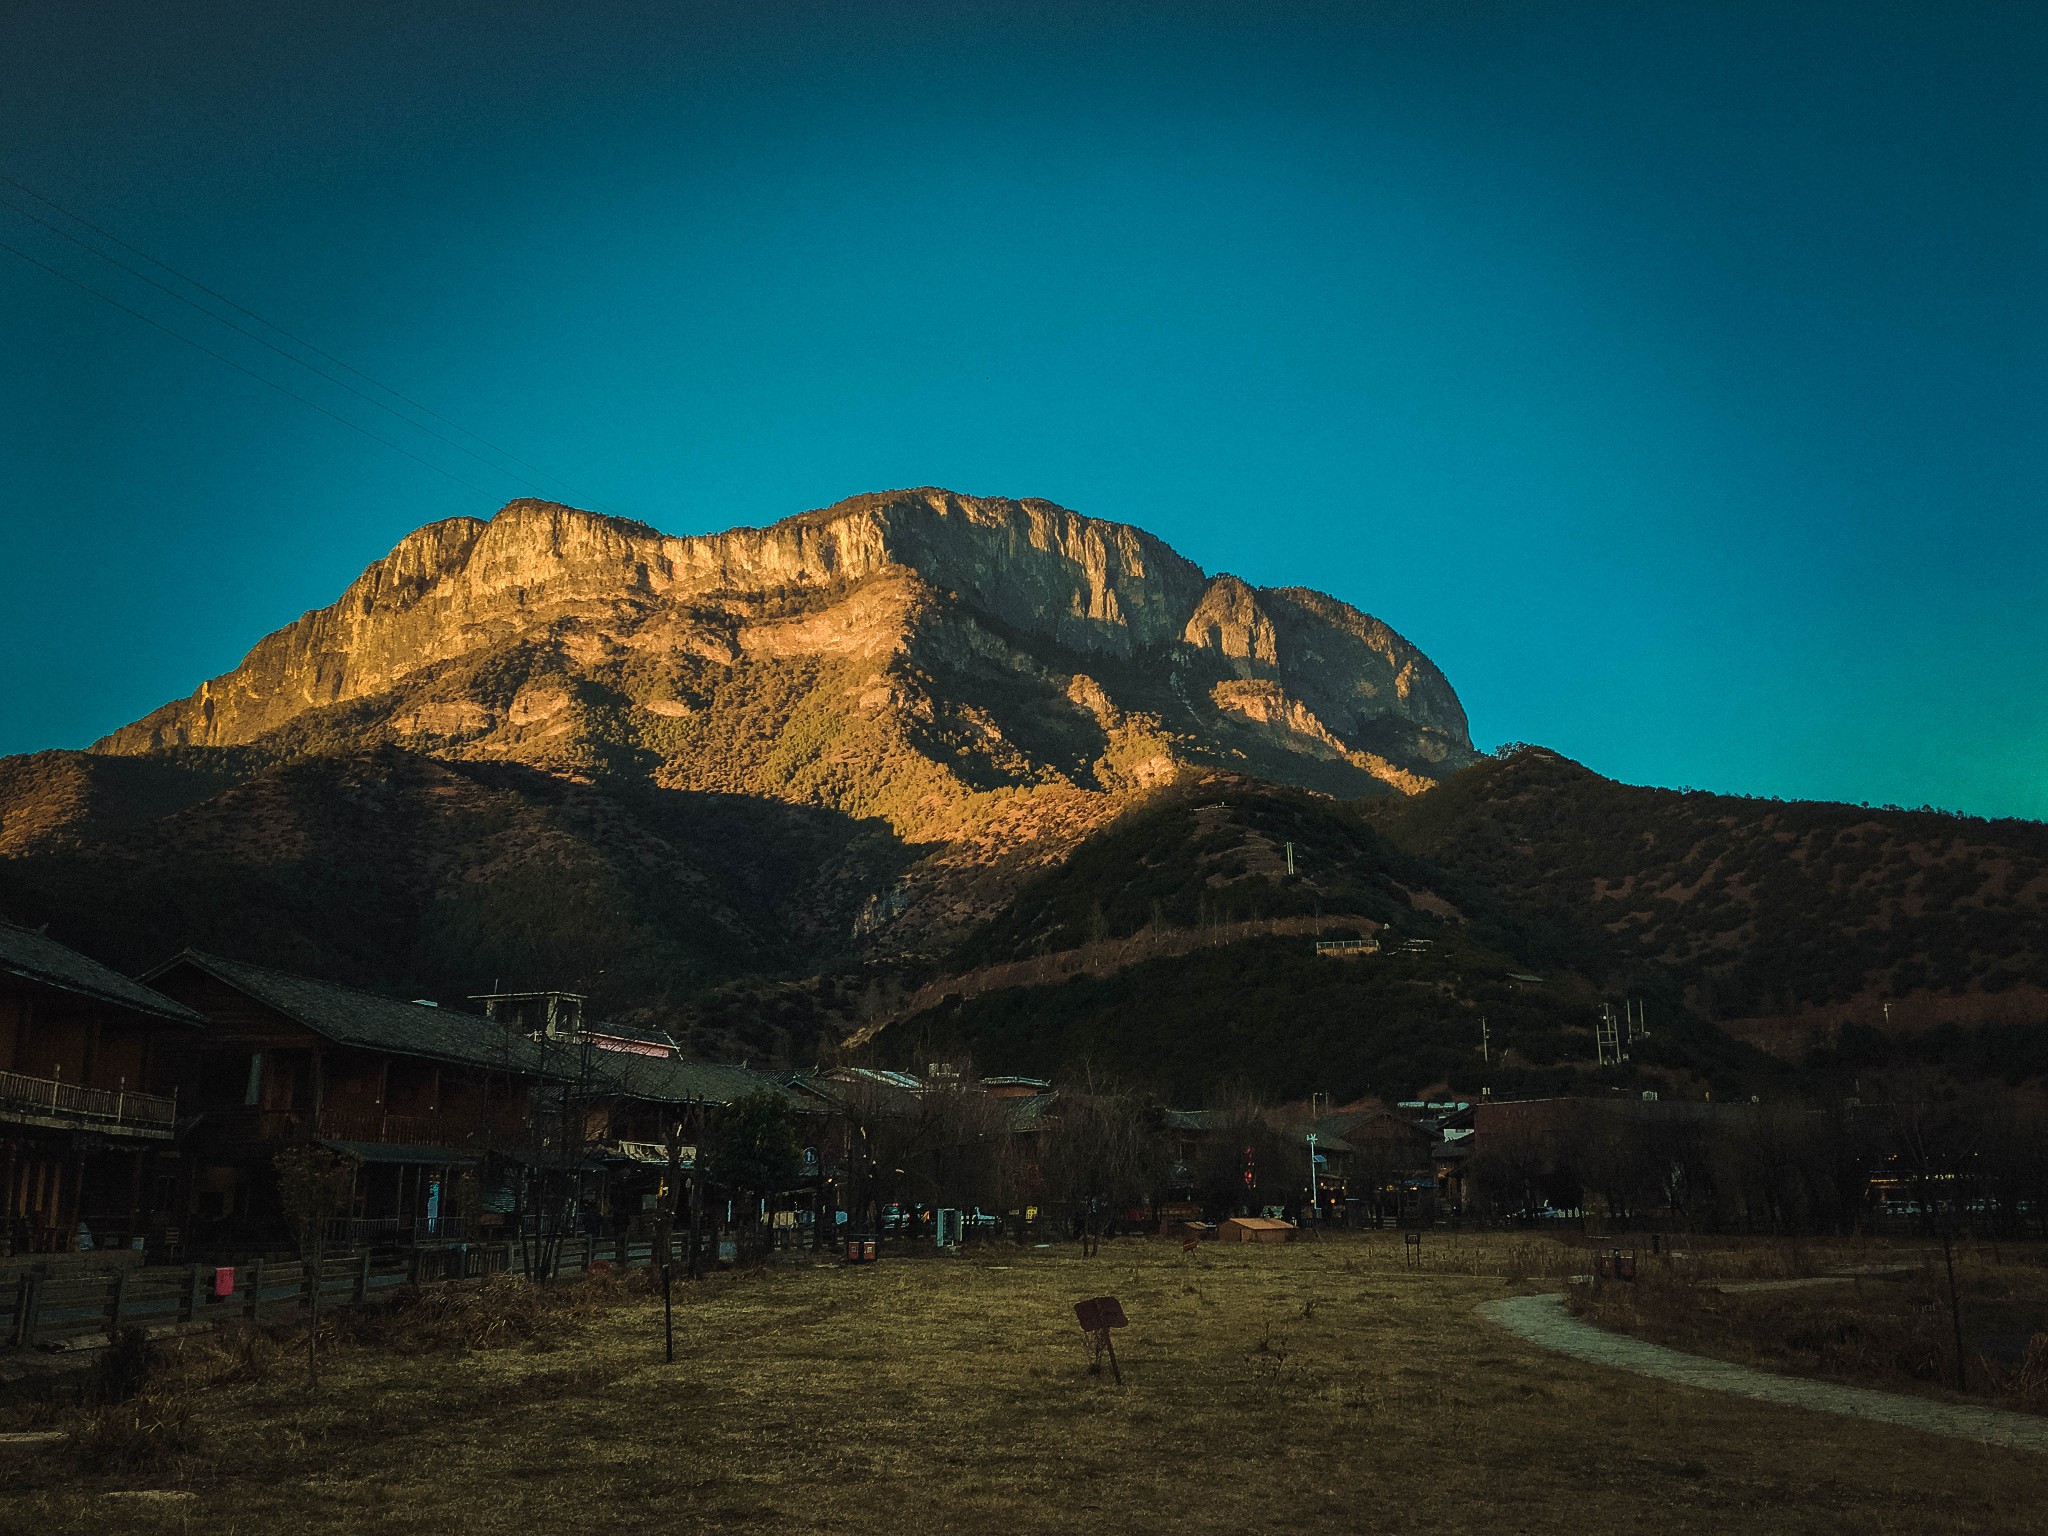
(955, 776)
(1780, 920)
(1177, 945)
(1004, 643)
(771, 751)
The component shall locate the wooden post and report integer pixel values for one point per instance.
(193, 1282)
(412, 1271)
(120, 1302)
(363, 1278)
(256, 1292)
(27, 1296)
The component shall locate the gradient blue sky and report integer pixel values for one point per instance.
(1676, 376)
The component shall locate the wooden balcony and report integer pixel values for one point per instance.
(470, 1134)
(378, 1125)
(58, 1105)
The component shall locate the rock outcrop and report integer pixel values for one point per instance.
(1102, 652)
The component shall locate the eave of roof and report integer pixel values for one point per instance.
(673, 1080)
(366, 1021)
(37, 957)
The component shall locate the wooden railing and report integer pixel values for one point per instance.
(406, 1130)
(37, 1308)
(455, 1132)
(102, 1106)
(383, 1231)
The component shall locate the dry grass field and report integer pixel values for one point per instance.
(1320, 1387)
(1882, 1327)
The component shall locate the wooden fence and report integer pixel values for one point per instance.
(37, 1309)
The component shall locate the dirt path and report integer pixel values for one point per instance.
(1543, 1320)
(1108, 956)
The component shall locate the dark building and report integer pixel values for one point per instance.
(433, 1103)
(88, 1111)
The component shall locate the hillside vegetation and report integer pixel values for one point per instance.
(1169, 942)
(1752, 906)
(419, 876)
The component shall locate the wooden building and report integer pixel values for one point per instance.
(88, 1115)
(431, 1102)
(1255, 1229)
(1377, 1165)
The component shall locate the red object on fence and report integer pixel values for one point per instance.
(224, 1282)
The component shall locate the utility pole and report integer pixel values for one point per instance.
(665, 1238)
(1315, 1191)
(1485, 1042)
(1290, 858)
(1607, 1049)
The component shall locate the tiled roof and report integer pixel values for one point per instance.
(675, 1081)
(1029, 1112)
(611, 1029)
(349, 1017)
(38, 957)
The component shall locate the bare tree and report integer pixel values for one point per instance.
(315, 1185)
(1934, 1135)
(1242, 1161)
(1103, 1148)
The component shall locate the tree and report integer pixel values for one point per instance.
(315, 1185)
(1242, 1162)
(1102, 1148)
(1934, 1134)
(752, 1147)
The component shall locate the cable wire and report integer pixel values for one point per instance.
(260, 341)
(239, 368)
(290, 336)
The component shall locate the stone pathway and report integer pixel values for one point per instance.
(1543, 1320)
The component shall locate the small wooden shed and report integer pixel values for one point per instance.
(1255, 1229)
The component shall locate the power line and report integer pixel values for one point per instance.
(239, 368)
(245, 331)
(290, 336)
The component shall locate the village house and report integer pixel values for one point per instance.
(432, 1103)
(1378, 1165)
(88, 1112)
(630, 1110)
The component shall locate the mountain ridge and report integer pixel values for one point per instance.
(1316, 674)
(914, 766)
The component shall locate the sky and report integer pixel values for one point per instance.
(1676, 376)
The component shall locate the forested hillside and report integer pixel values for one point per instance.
(1753, 906)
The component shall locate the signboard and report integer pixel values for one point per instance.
(1097, 1316)
(1100, 1313)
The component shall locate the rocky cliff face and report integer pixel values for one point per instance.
(1115, 658)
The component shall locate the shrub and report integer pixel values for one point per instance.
(122, 1370)
(150, 1433)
